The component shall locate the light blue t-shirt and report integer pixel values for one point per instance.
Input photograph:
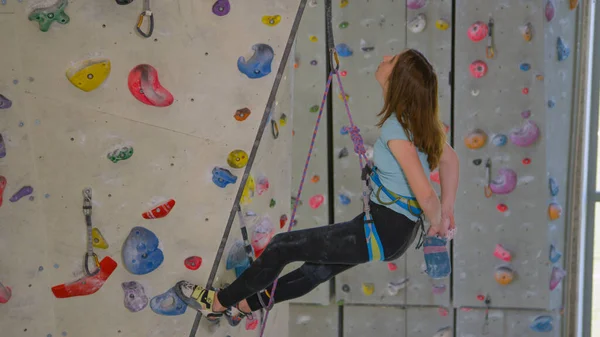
(390, 172)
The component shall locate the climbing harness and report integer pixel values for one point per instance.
(87, 211)
(146, 13)
(488, 178)
(408, 203)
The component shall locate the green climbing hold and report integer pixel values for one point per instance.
(46, 15)
(314, 108)
(343, 25)
(120, 154)
(272, 203)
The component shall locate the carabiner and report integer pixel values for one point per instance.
(334, 58)
(87, 201)
(488, 178)
(147, 12)
(86, 264)
(274, 129)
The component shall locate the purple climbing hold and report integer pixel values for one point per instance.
(525, 135)
(2, 147)
(415, 4)
(5, 103)
(23, 192)
(135, 296)
(221, 7)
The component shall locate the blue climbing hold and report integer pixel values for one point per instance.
(551, 103)
(499, 140)
(562, 50)
(553, 186)
(141, 254)
(437, 258)
(344, 130)
(555, 255)
(344, 199)
(259, 65)
(237, 258)
(542, 324)
(524, 66)
(222, 177)
(343, 50)
(168, 304)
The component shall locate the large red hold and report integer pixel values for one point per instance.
(145, 87)
(159, 211)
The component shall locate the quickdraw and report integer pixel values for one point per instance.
(87, 211)
(146, 13)
(486, 323)
(489, 51)
(488, 178)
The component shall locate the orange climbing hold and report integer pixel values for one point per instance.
(242, 114)
(315, 178)
(573, 4)
(475, 140)
(554, 211)
(160, 211)
(504, 275)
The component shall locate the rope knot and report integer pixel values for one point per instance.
(359, 146)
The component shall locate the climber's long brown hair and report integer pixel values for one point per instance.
(413, 94)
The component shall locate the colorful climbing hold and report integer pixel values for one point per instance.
(526, 114)
(145, 87)
(272, 203)
(554, 254)
(135, 298)
(343, 73)
(342, 97)
(526, 161)
(504, 275)
(22, 192)
(480, 297)
(526, 31)
(221, 7)
(237, 158)
(222, 177)
(282, 220)
(344, 199)
(313, 38)
(262, 234)
(524, 66)
(556, 276)
(505, 182)
(525, 135)
(160, 211)
(86, 285)
(140, 252)
(193, 262)
(502, 253)
(542, 324)
(237, 258)
(499, 140)
(248, 192)
(438, 289)
(3, 183)
(314, 108)
(551, 103)
(392, 266)
(119, 154)
(343, 3)
(315, 179)
(573, 4)
(241, 114)
(5, 103)
(395, 286)
(477, 162)
(312, 3)
(271, 20)
(262, 184)
(89, 74)
(313, 62)
(46, 15)
(554, 211)
(98, 240)
(168, 304)
(251, 323)
(417, 24)
(343, 25)
(344, 130)
(259, 65)
(343, 50)
(316, 201)
(553, 186)
(476, 139)
(477, 31)
(562, 50)
(415, 4)
(539, 77)
(525, 91)
(368, 288)
(442, 24)
(343, 153)
(478, 69)
(443, 312)
(345, 288)
(283, 120)
(5, 293)
(549, 10)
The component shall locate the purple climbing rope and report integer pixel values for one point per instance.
(359, 148)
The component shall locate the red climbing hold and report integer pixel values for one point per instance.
(502, 208)
(392, 266)
(86, 285)
(160, 211)
(2, 186)
(282, 220)
(526, 161)
(193, 262)
(525, 91)
(144, 86)
(343, 73)
(480, 297)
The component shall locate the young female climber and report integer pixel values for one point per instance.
(411, 144)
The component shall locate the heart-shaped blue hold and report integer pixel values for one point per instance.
(343, 50)
(542, 324)
(562, 50)
(168, 304)
(259, 65)
(237, 258)
(141, 254)
(222, 177)
(437, 258)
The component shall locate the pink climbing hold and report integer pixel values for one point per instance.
(526, 135)
(251, 322)
(435, 176)
(443, 311)
(478, 69)
(262, 234)
(316, 201)
(438, 289)
(549, 10)
(501, 253)
(262, 185)
(193, 262)
(556, 277)
(5, 293)
(392, 266)
(415, 4)
(477, 31)
(505, 182)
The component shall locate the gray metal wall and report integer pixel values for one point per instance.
(493, 104)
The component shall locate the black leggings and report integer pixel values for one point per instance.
(326, 251)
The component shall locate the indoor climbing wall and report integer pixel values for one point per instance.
(309, 75)
(146, 140)
(364, 33)
(512, 118)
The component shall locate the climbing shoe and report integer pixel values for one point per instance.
(198, 298)
(235, 315)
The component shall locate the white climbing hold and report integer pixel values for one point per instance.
(417, 24)
(475, 92)
(394, 287)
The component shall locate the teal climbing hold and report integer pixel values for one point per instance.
(46, 15)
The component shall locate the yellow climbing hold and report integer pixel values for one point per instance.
(237, 158)
(89, 75)
(98, 240)
(343, 3)
(368, 288)
(248, 192)
(271, 20)
(442, 24)
(342, 97)
(313, 38)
